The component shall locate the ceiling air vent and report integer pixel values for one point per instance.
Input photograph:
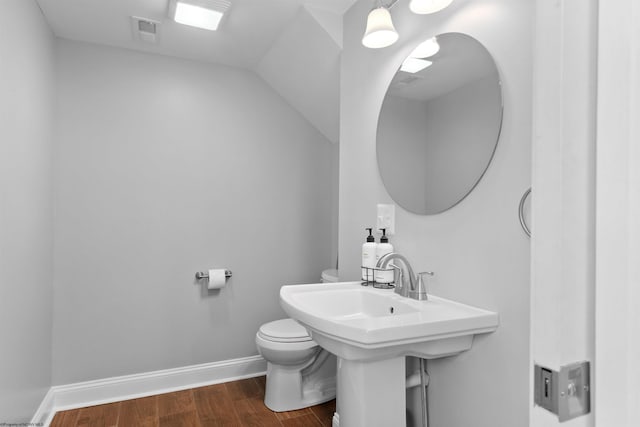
(145, 30)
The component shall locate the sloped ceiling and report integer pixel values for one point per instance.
(293, 45)
(303, 66)
(245, 35)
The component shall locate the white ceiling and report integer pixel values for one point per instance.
(245, 35)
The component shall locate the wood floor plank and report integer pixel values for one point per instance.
(324, 412)
(214, 407)
(253, 413)
(243, 389)
(65, 418)
(235, 404)
(308, 420)
(112, 414)
(262, 383)
(141, 412)
(180, 419)
(293, 414)
(99, 416)
(91, 417)
(175, 403)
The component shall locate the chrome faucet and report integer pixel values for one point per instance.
(406, 285)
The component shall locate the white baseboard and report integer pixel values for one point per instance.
(108, 390)
(46, 410)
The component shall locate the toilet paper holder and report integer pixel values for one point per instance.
(204, 275)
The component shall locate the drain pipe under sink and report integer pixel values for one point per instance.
(421, 379)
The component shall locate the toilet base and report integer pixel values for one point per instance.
(287, 391)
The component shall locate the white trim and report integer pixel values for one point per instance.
(45, 412)
(563, 192)
(617, 325)
(108, 390)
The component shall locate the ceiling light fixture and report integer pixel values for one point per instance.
(380, 31)
(426, 49)
(423, 7)
(205, 14)
(413, 65)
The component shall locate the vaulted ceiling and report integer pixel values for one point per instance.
(244, 36)
(269, 37)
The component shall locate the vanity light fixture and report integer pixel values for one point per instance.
(426, 49)
(413, 65)
(205, 14)
(380, 31)
(423, 7)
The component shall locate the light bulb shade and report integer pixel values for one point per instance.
(380, 31)
(423, 7)
(426, 49)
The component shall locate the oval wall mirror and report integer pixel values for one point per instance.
(439, 123)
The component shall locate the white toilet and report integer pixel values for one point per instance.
(299, 372)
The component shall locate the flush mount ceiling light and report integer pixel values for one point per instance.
(423, 7)
(413, 65)
(426, 49)
(380, 31)
(204, 14)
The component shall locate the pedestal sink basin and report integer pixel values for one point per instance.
(371, 331)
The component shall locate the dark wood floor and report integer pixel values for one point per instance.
(238, 403)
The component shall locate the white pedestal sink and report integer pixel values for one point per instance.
(371, 331)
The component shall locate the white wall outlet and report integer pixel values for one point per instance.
(386, 219)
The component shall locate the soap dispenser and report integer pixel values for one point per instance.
(369, 257)
(384, 247)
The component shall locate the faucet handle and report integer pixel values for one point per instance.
(421, 290)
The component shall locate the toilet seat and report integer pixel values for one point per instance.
(284, 331)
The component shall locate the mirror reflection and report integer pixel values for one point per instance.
(439, 123)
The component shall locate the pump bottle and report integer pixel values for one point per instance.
(383, 248)
(369, 257)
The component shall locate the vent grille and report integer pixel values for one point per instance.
(144, 29)
(147, 27)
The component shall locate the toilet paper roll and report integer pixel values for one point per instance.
(217, 278)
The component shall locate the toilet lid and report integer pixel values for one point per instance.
(285, 330)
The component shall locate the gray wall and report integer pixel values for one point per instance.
(26, 95)
(164, 167)
(477, 249)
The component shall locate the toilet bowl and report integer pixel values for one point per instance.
(299, 372)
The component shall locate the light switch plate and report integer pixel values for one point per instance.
(386, 219)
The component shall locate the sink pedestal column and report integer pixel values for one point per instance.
(371, 393)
